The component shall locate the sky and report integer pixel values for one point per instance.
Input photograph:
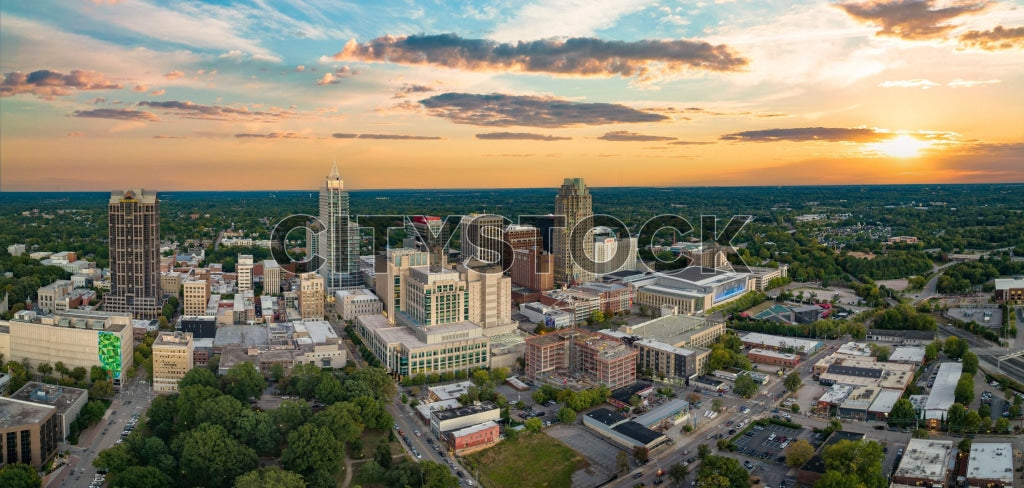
(261, 95)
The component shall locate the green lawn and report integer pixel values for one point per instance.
(530, 461)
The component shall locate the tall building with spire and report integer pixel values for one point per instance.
(338, 243)
(134, 240)
(574, 203)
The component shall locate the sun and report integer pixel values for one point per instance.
(901, 146)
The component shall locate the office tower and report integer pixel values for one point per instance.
(391, 276)
(607, 249)
(490, 299)
(575, 204)
(481, 241)
(134, 239)
(244, 271)
(434, 296)
(432, 236)
(338, 243)
(196, 297)
(311, 296)
(172, 358)
(271, 277)
(533, 269)
(519, 237)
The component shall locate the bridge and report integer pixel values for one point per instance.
(1017, 353)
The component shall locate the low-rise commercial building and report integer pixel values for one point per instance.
(990, 465)
(472, 438)
(172, 359)
(29, 432)
(773, 358)
(796, 345)
(679, 330)
(350, 304)
(941, 396)
(901, 337)
(907, 354)
(1009, 290)
(48, 295)
(463, 416)
(450, 391)
(925, 462)
(621, 430)
(883, 404)
(66, 401)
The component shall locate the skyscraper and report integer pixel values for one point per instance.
(431, 235)
(134, 240)
(575, 204)
(481, 239)
(338, 243)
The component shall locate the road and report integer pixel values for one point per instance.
(135, 398)
(988, 353)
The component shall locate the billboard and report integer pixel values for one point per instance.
(110, 353)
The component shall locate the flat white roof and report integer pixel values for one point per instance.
(941, 396)
(885, 400)
(1007, 283)
(454, 390)
(425, 408)
(774, 354)
(991, 461)
(474, 428)
(855, 349)
(907, 354)
(768, 340)
(836, 394)
(927, 459)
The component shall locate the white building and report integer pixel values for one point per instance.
(350, 304)
(941, 396)
(990, 465)
(244, 269)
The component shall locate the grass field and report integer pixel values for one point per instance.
(530, 461)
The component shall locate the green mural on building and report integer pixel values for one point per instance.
(110, 352)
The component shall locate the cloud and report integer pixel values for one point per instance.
(645, 60)
(993, 40)
(76, 134)
(140, 88)
(801, 134)
(961, 83)
(335, 77)
(393, 137)
(691, 143)
(158, 92)
(911, 19)
(300, 68)
(500, 110)
(915, 83)
(118, 114)
(49, 84)
(174, 75)
(520, 136)
(408, 88)
(626, 136)
(271, 135)
(191, 110)
(167, 137)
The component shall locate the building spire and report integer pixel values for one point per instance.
(334, 169)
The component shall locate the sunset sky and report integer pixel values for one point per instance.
(261, 95)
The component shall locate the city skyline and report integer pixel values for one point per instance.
(204, 96)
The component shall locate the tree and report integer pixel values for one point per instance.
(312, 448)
(970, 362)
(596, 316)
(798, 453)
(955, 347)
(163, 323)
(972, 421)
(732, 474)
(622, 460)
(716, 405)
(243, 382)
(746, 387)
(1002, 425)
(794, 408)
(44, 368)
(211, 457)
(189, 400)
(101, 389)
(964, 392)
(567, 415)
(270, 477)
(678, 473)
(641, 454)
(903, 414)
(222, 410)
(693, 398)
(931, 351)
(835, 479)
(533, 424)
(97, 373)
(17, 475)
(257, 430)
(703, 451)
(198, 376)
(383, 454)
(79, 373)
(115, 459)
(342, 419)
(141, 477)
(330, 389)
(290, 415)
(792, 382)
(276, 372)
(859, 459)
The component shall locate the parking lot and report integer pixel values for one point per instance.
(599, 452)
(767, 442)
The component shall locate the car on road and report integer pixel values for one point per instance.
(638, 475)
(748, 464)
(418, 433)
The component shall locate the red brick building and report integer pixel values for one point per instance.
(532, 268)
(594, 357)
(472, 438)
(773, 358)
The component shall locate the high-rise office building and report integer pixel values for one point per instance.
(432, 236)
(134, 239)
(196, 296)
(311, 296)
(481, 241)
(244, 271)
(575, 204)
(391, 276)
(338, 243)
(271, 277)
(490, 299)
(519, 237)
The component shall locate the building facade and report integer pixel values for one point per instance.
(134, 239)
(408, 351)
(196, 296)
(271, 277)
(578, 353)
(533, 269)
(432, 235)
(391, 276)
(172, 358)
(575, 204)
(244, 271)
(29, 432)
(482, 239)
(490, 299)
(338, 243)
(47, 296)
(311, 296)
(350, 304)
